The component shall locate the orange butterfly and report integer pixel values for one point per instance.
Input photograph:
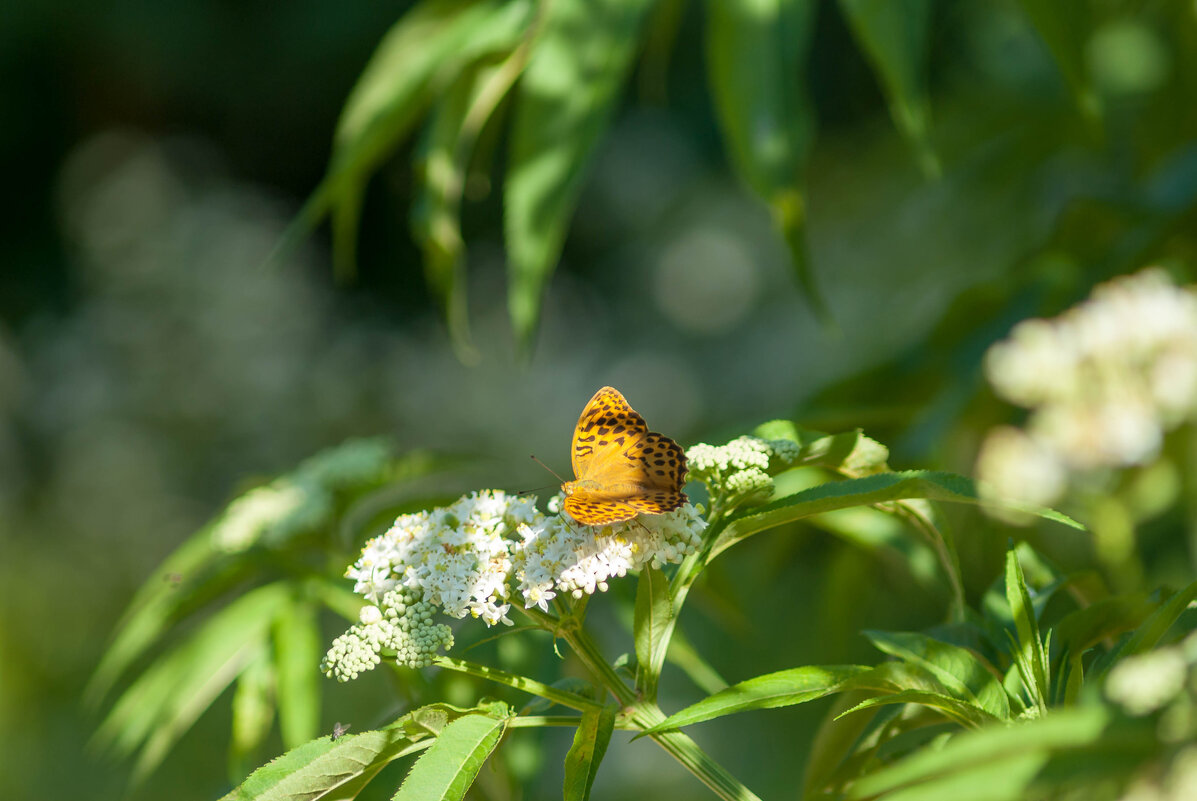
(622, 468)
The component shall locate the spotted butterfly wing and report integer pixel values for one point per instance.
(622, 469)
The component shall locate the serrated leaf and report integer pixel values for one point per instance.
(783, 688)
(446, 770)
(586, 753)
(253, 713)
(879, 488)
(651, 627)
(958, 669)
(316, 769)
(298, 647)
(757, 52)
(564, 102)
(895, 38)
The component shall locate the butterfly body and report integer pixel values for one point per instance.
(622, 469)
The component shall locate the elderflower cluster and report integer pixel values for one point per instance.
(1103, 382)
(302, 500)
(740, 470)
(457, 558)
(400, 626)
(469, 558)
(556, 555)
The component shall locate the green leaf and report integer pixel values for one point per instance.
(651, 629)
(447, 769)
(850, 453)
(958, 669)
(1029, 650)
(783, 688)
(442, 165)
(298, 647)
(193, 570)
(963, 712)
(1149, 634)
(757, 53)
(895, 38)
(173, 692)
(253, 712)
(421, 54)
(1065, 27)
(315, 770)
(879, 488)
(1002, 763)
(590, 744)
(564, 102)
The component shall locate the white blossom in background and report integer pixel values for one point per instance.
(1103, 382)
(556, 555)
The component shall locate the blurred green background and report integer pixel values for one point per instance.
(151, 364)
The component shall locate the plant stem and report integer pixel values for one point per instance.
(523, 683)
(645, 715)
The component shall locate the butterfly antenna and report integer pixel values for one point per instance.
(546, 467)
(537, 489)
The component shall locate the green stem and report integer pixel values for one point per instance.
(523, 683)
(644, 715)
(540, 721)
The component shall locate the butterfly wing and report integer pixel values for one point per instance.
(626, 469)
(608, 427)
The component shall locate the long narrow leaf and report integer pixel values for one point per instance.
(879, 488)
(783, 688)
(957, 669)
(895, 37)
(965, 713)
(565, 100)
(652, 625)
(756, 65)
(298, 648)
(590, 744)
(253, 713)
(1030, 653)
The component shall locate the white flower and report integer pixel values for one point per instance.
(1016, 469)
(1146, 682)
(558, 555)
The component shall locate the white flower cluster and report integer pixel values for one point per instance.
(401, 625)
(1104, 382)
(457, 558)
(301, 500)
(556, 555)
(467, 559)
(740, 470)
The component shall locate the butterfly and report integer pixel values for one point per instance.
(622, 468)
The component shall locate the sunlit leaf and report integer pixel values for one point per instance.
(173, 692)
(879, 488)
(446, 770)
(298, 647)
(586, 753)
(654, 620)
(253, 713)
(783, 688)
(963, 712)
(1030, 652)
(564, 102)
(957, 669)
